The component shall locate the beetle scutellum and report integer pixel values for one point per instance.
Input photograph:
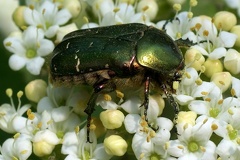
(118, 56)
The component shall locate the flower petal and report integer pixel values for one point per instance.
(62, 17)
(34, 65)
(227, 38)
(131, 122)
(16, 62)
(46, 47)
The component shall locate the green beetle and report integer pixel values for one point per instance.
(118, 57)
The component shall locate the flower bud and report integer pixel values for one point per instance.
(232, 61)
(73, 6)
(212, 66)
(18, 17)
(62, 31)
(44, 142)
(184, 120)
(36, 90)
(187, 117)
(194, 58)
(149, 7)
(224, 20)
(112, 119)
(222, 80)
(115, 145)
(236, 30)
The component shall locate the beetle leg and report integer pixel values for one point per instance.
(89, 110)
(172, 102)
(146, 101)
(103, 87)
(146, 98)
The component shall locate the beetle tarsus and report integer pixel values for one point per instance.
(172, 103)
(88, 128)
(89, 110)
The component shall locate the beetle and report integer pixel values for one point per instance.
(118, 57)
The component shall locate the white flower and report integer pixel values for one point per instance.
(180, 27)
(19, 147)
(9, 113)
(227, 149)
(229, 130)
(48, 17)
(147, 142)
(187, 87)
(28, 48)
(52, 114)
(76, 147)
(217, 42)
(118, 14)
(194, 143)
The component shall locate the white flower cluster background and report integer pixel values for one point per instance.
(39, 120)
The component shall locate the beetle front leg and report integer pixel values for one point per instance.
(98, 89)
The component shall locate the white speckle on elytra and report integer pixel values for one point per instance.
(78, 65)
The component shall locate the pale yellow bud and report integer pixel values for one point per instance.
(236, 30)
(187, 117)
(149, 7)
(73, 6)
(115, 145)
(36, 90)
(212, 66)
(112, 119)
(222, 80)
(18, 16)
(194, 58)
(42, 148)
(44, 142)
(224, 20)
(62, 31)
(232, 61)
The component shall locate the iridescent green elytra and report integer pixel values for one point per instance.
(118, 57)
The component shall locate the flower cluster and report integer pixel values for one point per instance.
(54, 125)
